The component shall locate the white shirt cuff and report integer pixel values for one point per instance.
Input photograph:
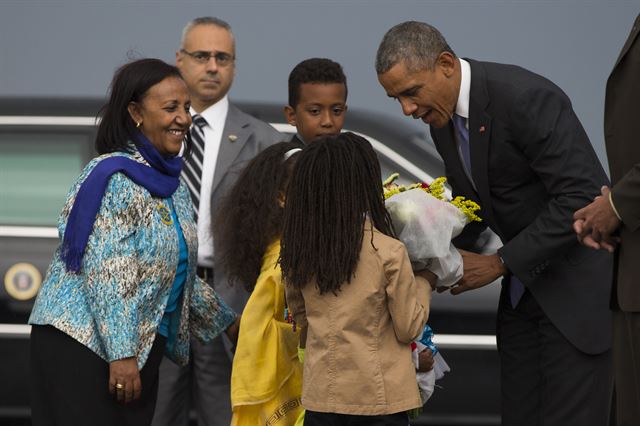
(614, 207)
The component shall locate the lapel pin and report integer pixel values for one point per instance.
(482, 129)
(233, 138)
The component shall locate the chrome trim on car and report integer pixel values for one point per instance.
(465, 341)
(15, 331)
(444, 341)
(41, 120)
(28, 231)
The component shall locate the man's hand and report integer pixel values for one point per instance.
(595, 223)
(425, 361)
(124, 379)
(479, 270)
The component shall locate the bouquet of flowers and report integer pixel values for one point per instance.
(426, 221)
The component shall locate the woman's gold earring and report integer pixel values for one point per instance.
(138, 124)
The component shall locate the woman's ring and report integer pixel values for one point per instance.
(119, 386)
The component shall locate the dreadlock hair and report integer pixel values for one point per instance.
(335, 185)
(249, 218)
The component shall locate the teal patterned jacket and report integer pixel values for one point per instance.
(115, 304)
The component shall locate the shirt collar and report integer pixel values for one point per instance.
(462, 107)
(216, 114)
(299, 136)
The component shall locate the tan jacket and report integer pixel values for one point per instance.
(358, 356)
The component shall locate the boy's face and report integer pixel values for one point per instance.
(320, 111)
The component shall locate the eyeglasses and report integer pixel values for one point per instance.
(223, 59)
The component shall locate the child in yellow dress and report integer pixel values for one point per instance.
(266, 379)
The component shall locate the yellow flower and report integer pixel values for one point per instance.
(435, 189)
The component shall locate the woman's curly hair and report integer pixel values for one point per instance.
(249, 218)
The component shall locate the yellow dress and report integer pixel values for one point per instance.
(266, 380)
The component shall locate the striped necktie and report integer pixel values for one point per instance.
(192, 172)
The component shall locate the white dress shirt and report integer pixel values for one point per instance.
(216, 116)
(462, 107)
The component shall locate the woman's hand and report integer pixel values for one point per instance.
(124, 379)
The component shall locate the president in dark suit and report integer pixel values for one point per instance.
(223, 140)
(617, 212)
(511, 141)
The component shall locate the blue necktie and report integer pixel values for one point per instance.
(460, 123)
(516, 290)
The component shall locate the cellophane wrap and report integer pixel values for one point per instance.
(426, 226)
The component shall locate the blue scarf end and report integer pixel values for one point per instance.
(72, 258)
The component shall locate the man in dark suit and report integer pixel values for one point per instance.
(618, 211)
(511, 142)
(224, 139)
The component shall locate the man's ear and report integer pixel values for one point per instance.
(447, 62)
(290, 115)
(134, 112)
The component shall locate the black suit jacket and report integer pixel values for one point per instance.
(622, 137)
(533, 167)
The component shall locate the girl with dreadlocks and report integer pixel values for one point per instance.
(350, 287)
(266, 378)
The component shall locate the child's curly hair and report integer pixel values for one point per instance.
(249, 218)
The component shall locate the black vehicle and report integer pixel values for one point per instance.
(45, 143)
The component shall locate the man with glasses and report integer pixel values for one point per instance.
(223, 140)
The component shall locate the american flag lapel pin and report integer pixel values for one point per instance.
(482, 129)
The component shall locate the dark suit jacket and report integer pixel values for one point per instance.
(622, 138)
(296, 139)
(533, 167)
(242, 139)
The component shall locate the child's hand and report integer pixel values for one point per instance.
(425, 361)
(429, 276)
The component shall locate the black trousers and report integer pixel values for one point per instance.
(545, 379)
(70, 384)
(626, 361)
(315, 418)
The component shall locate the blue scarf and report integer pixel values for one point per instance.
(161, 180)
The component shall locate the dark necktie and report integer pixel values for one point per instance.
(516, 290)
(192, 172)
(460, 123)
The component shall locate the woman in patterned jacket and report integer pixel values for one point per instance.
(122, 288)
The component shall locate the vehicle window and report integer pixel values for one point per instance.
(36, 171)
